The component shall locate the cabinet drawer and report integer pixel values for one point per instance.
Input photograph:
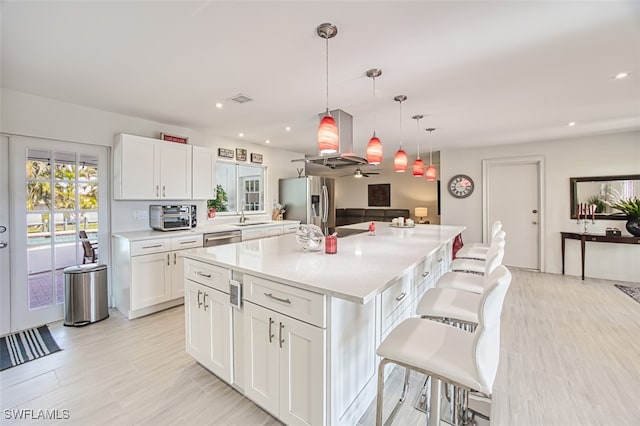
(424, 270)
(290, 228)
(139, 248)
(394, 300)
(251, 234)
(187, 241)
(294, 302)
(272, 231)
(208, 275)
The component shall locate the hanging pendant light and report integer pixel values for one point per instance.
(328, 141)
(431, 173)
(374, 147)
(418, 165)
(400, 160)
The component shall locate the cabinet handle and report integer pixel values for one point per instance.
(204, 299)
(202, 274)
(424, 274)
(188, 242)
(402, 296)
(153, 246)
(174, 258)
(271, 335)
(280, 334)
(164, 191)
(168, 259)
(157, 190)
(277, 298)
(199, 302)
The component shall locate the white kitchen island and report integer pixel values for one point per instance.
(302, 345)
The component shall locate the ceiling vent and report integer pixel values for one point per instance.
(241, 98)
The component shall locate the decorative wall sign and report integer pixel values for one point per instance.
(380, 195)
(173, 138)
(256, 158)
(224, 152)
(241, 154)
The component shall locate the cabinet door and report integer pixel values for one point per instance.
(261, 357)
(217, 314)
(150, 277)
(302, 372)
(175, 171)
(136, 172)
(252, 234)
(196, 325)
(177, 274)
(204, 173)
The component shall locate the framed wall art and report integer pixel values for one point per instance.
(225, 153)
(379, 195)
(256, 158)
(241, 154)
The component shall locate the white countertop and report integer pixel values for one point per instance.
(363, 267)
(149, 234)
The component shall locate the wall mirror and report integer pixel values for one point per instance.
(597, 189)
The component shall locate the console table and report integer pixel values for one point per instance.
(599, 238)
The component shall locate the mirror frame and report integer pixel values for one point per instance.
(572, 194)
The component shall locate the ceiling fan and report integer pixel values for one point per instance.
(358, 173)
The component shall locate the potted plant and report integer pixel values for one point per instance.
(598, 202)
(218, 204)
(630, 207)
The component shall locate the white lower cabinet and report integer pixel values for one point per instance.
(284, 366)
(208, 328)
(150, 275)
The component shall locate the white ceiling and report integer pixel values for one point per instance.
(481, 72)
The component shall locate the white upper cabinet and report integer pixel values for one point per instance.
(150, 169)
(204, 173)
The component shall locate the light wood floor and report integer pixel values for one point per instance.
(570, 356)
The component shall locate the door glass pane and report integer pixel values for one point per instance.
(88, 194)
(38, 164)
(65, 193)
(40, 282)
(38, 195)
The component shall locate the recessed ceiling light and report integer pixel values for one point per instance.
(218, 105)
(267, 141)
(288, 128)
(621, 75)
(571, 124)
(241, 134)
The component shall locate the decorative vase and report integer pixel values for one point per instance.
(633, 226)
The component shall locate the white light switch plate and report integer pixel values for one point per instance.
(140, 215)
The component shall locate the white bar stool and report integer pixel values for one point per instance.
(466, 360)
(475, 266)
(480, 247)
(480, 253)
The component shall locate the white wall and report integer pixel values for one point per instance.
(407, 191)
(602, 155)
(28, 115)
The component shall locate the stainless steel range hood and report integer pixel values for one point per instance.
(345, 156)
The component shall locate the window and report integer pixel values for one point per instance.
(238, 187)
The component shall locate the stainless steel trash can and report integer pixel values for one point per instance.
(85, 294)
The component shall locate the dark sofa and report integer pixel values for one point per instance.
(351, 216)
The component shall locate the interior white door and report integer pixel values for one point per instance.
(5, 247)
(513, 196)
(55, 188)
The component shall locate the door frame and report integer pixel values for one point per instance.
(5, 255)
(538, 161)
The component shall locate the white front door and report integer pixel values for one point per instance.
(5, 276)
(59, 193)
(513, 196)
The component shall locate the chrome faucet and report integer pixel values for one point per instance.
(242, 218)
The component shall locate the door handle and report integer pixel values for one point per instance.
(534, 211)
(3, 244)
(280, 334)
(164, 191)
(204, 299)
(157, 190)
(199, 302)
(168, 259)
(271, 335)
(174, 258)
(534, 222)
(3, 229)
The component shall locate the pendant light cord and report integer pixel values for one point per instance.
(327, 57)
(430, 144)
(418, 135)
(374, 106)
(400, 124)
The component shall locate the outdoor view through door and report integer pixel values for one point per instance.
(61, 214)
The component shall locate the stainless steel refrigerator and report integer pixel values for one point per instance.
(310, 199)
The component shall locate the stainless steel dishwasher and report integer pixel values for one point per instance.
(223, 237)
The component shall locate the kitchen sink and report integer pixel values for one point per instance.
(250, 223)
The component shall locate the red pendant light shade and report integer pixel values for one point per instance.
(418, 168)
(400, 161)
(328, 142)
(374, 151)
(431, 173)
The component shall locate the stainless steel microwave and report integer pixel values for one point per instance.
(172, 218)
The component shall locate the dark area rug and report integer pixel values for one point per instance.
(634, 292)
(25, 346)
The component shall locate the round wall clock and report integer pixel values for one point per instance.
(461, 186)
